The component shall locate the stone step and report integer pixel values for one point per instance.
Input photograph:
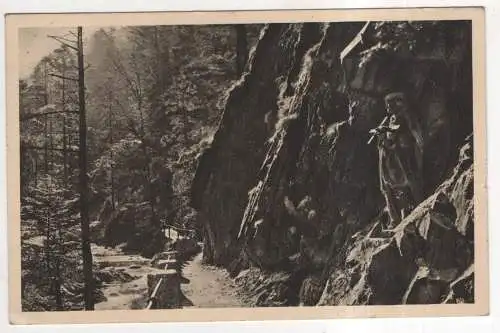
(121, 261)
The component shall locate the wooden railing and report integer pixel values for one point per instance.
(165, 288)
(153, 296)
(178, 230)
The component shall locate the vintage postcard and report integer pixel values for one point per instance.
(261, 165)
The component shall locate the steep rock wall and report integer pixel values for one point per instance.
(289, 178)
(228, 167)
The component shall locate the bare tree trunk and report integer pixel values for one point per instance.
(159, 60)
(110, 117)
(53, 241)
(46, 102)
(48, 259)
(185, 125)
(45, 84)
(84, 190)
(57, 268)
(65, 154)
(65, 148)
(241, 48)
(147, 172)
(36, 170)
(58, 279)
(45, 146)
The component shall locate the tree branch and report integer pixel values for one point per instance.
(31, 116)
(62, 41)
(131, 84)
(118, 66)
(86, 67)
(132, 130)
(69, 150)
(63, 77)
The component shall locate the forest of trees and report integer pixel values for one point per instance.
(152, 97)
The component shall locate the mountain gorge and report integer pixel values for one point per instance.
(288, 194)
(257, 140)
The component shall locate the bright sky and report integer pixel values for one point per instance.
(34, 45)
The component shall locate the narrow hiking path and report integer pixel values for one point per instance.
(209, 287)
(128, 288)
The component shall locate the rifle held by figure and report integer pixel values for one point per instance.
(376, 131)
(382, 128)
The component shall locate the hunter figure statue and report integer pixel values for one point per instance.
(400, 146)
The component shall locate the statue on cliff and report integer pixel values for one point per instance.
(400, 146)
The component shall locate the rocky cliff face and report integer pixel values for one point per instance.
(289, 191)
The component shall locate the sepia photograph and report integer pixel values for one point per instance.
(249, 163)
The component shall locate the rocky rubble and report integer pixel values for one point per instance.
(428, 258)
(289, 186)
